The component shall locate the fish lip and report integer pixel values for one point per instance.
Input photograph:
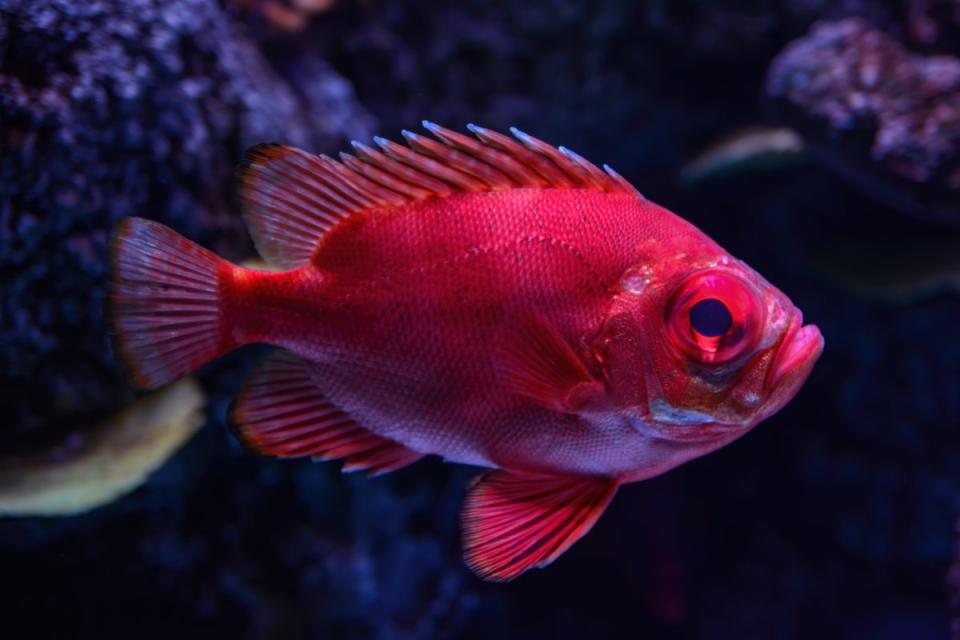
(801, 344)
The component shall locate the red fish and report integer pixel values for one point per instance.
(492, 300)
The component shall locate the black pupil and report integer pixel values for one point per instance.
(710, 318)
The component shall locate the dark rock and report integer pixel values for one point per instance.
(118, 108)
(571, 71)
(884, 117)
(251, 548)
(934, 24)
(953, 589)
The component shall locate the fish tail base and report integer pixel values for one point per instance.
(164, 303)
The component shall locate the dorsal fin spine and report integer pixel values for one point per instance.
(574, 173)
(428, 165)
(311, 185)
(321, 184)
(589, 172)
(292, 198)
(550, 172)
(491, 177)
(384, 179)
(303, 216)
(360, 189)
(357, 186)
(520, 174)
(357, 197)
(319, 207)
(381, 196)
(295, 213)
(625, 186)
(329, 187)
(402, 171)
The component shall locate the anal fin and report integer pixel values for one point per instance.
(515, 521)
(281, 412)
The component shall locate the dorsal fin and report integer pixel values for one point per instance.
(291, 198)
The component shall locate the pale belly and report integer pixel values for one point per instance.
(439, 414)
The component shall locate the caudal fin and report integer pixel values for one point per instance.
(164, 302)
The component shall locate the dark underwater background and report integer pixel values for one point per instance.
(836, 518)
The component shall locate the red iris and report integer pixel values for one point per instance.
(714, 317)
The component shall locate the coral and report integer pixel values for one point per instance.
(100, 464)
(886, 117)
(241, 547)
(117, 108)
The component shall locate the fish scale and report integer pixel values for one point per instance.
(497, 302)
(434, 300)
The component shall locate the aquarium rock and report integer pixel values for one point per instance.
(882, 116)
(109, 460)
(116, 108)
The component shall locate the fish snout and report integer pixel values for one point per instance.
(798, 351)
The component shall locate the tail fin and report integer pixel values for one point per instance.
(164, 303)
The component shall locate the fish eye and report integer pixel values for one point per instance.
(710, 318)
(714, 317)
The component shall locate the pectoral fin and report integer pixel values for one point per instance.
(533, 360)
(515, 521)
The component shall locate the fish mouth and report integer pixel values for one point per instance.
(799, 349)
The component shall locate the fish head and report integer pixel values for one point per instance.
(701, 347)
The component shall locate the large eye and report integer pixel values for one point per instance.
(714, 317)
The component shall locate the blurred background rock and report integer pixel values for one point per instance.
(111, 109)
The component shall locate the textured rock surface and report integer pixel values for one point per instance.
(110, 109)
(886, 117)
(229, 546)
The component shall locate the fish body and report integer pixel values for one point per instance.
(497, 302)
(398, 315)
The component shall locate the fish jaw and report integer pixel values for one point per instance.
(799, 350)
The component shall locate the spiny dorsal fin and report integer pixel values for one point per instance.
(291, 198)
